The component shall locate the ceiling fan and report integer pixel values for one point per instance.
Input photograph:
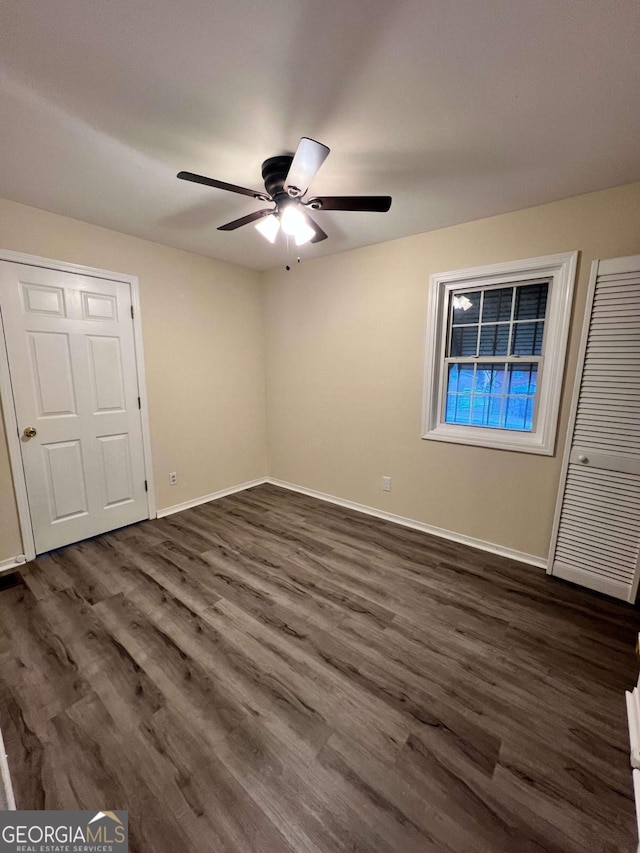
(286, 180)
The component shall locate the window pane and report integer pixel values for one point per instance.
(531, 301)
(519, 405)
(519, 413)
(494, 340)
(489, 379)
(466, 308)
(480, 410)
(527, 338)
(464, 340)
(499, 396)
(486, 410)
(460, 378)
(450, 414)
(529, 415)
(495, 411)
(458, 408)
(523, 379)
(459, 387)
(497, 304)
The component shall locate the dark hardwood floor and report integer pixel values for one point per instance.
(270, 673)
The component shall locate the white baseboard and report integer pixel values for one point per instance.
(12, 563)
(169, 510)
(7, 800)
(512, 554)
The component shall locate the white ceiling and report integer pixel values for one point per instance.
(458, 109)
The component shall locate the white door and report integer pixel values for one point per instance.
(596, 539)
(72, 364)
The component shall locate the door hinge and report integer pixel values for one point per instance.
(139, 406)
(146, 487)
(132, 312)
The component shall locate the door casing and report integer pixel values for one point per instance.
(8, 406)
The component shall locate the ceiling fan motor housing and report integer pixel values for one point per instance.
(274, 173)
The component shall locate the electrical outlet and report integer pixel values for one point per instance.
(173, 479)
(386, 484)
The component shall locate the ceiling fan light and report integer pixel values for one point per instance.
(269, 227)
(294, 223)
(303, 234)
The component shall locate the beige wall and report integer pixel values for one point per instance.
(345, 350)
(203, 336)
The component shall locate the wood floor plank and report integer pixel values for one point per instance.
(492, 814)
(272, 674)
(24, 749)
(183, 575)
(339, 702)
(87, 758)
(240, 573)
(398, 811)
(43, 677)
(210, 806)
(298, 792)
(182, 680)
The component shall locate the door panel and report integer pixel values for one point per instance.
(596, 539)
(99, 306)
(73, 371)
(105, 363)
(38, 299)
(51, 373)
(66, 485)
(116, 470)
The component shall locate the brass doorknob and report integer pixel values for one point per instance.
(29, 432)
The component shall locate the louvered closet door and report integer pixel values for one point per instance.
(596, 539)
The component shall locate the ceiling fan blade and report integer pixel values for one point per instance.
(319, 234)
(373, 203)
(221, 185)
(245, 220)
(306, 162)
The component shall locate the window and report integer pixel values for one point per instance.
(495, 353)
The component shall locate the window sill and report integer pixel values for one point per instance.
(524, 442)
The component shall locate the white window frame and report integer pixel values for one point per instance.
(560, 270)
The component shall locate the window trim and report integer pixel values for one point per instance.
(561, 270)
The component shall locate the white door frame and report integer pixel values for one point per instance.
(8, 405)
